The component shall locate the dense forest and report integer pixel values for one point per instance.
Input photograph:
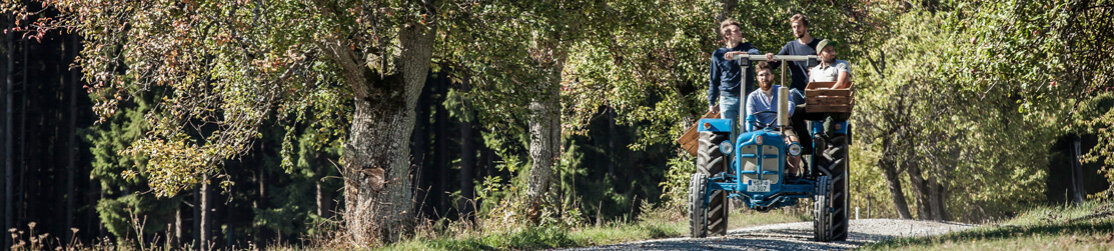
(216, 124)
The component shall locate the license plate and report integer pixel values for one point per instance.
(758, 186)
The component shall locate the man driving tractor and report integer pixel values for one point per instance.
(763, 104)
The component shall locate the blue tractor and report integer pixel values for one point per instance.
(749, 162)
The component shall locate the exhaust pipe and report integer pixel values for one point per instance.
(783, 106)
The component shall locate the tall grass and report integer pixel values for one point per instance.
(653, 224)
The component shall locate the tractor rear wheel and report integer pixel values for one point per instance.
(834, 162)
(710, 162)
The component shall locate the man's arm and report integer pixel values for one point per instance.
(713, 83)
(843, 78)
(770, 56)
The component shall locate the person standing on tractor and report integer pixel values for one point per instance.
(830, 69)
(765, 100)
(804, 45)
(725, 75)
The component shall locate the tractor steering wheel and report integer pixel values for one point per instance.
(758, 124)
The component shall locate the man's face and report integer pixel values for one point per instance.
(732, 33)
(765, 79)
(828, 54)
(799, 29)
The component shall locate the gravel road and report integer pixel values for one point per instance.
(795, 236)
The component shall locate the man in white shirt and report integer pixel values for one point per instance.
(830, 69)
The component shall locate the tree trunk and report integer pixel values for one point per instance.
(893, 182)
(176, 241)
(467, 161)
(206, 216)
(939, 199)
(611, 134)
(545, 135)
(69, 52)
(195, 222)
(8, 137)
(260, 197)
(377, 152)
(930, 203)
(920, 191)
(441, 153)
(420, 148)
(1077, 192)
(324, 197)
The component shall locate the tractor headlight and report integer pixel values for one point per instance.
(795, 149)
(725, 147)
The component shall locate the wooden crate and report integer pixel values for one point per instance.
(819, 97)
(690, 140)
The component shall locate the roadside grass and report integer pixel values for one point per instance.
(655, 224)
(1086, 227)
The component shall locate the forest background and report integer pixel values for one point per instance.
(232, 124)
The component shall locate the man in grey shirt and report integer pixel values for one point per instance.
(830, 69)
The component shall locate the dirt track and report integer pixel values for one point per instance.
(795, 236)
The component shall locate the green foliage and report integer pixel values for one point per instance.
(539, 237)
(970, 93)
(125, 209)
(926, 109)
(1096, 115)
(1053, 56)
(292, 197)
(675, 187)
(124, 216)
(654, 223)
(221, 70)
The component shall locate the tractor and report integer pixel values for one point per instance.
(747, 161)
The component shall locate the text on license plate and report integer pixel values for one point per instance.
(758, 186)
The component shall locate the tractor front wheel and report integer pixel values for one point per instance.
(698, 213)
(711, 162)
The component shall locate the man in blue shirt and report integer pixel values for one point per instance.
(765, 100)
(725, 75)
(804, 45)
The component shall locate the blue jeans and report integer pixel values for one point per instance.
(796, 96)
(729, 107)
